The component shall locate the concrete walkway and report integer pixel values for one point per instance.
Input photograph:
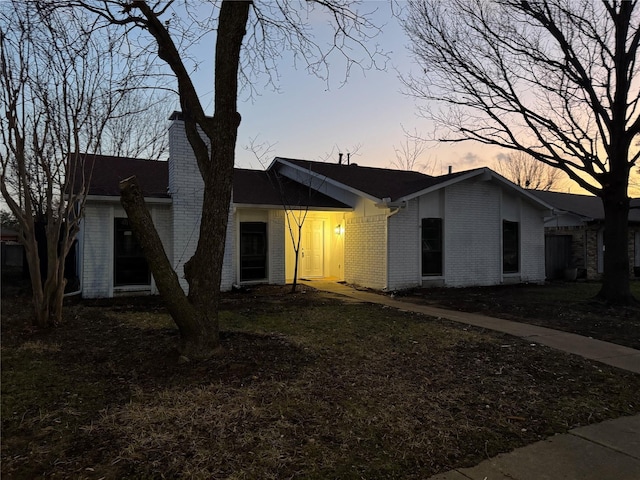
(603, 352)
(606, 451)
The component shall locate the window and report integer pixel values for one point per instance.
(253, 251)
(431, 246)
(510, 247)
(130, 266)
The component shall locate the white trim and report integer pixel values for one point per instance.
(485, 174)
(326, 179)
(114, 199)
(132, 288)
(280, 207)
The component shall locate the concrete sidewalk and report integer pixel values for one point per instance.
(603, 352)
(606, 451)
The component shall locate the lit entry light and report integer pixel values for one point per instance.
(339, 230)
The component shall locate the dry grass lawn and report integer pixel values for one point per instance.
(307, 388)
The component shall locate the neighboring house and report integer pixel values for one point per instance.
(374, 227)
(12, 252)
(574, 235)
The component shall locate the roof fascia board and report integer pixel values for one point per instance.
(521, 191)
(485, 174)
(114, 199)
(326, 179)
(280, 207)
(438, 186)
(567, 213)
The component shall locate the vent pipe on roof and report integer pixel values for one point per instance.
(450, 169)
(348, 158)
(339, 159)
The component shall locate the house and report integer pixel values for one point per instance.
(375, 227)
(12, 252)
(574, 235)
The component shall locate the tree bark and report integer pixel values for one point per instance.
(204, 270)
(296, 251)
(198, 336)
(616, 288)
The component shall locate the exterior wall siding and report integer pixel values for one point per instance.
(472, 234)
(404, 248)
(228, 277)
(97, 262)
(98, 248)
(186, 189)
(276, 229)
(365, 250)
(531, 244)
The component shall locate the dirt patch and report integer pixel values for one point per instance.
(307, 387)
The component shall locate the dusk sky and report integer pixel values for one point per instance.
(308, 120)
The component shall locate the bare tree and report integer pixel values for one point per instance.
(139, 128)
(409, 153)
(554, 79)
(250, 36)
(527, 172)
(60, 88)
(337, 154)
(295, 198)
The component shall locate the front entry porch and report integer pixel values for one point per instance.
(320, 247)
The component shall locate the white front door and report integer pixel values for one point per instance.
(312, 248)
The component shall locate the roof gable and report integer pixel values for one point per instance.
(378, 183)
(398, 185)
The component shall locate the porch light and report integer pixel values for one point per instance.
(339, 230)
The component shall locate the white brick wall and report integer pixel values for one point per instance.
(472, 234)
(404, 248)
(532, 262)
(97, 261)
(228, 263)
(276, 229)
(365, 250)
(98, 248)
(186, 189)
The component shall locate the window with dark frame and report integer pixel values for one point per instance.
(130, 266)
(431, 246)
(253, 251)
(510, 247)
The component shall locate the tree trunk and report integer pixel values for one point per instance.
(204, 270)
(40, 303)
(296, 250)
(198, 336)
(615, 280)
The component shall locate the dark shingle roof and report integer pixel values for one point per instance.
(584, 205)
(377, 182)
(108, 171)
(257, 187)
(250, 187)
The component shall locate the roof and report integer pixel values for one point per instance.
(587, 206)
(250, 187)
(377, 182)
(9, 234)
(108, 171)
(258, 187)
